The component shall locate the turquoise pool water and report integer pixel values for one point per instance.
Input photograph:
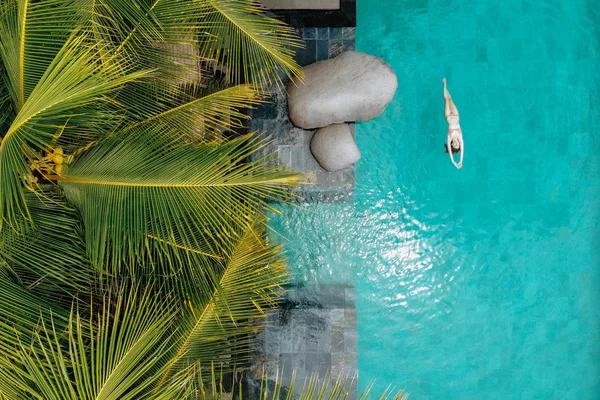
(479, 283)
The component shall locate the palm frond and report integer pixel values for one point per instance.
(209, 386)
(6, 106)
(73, 80)
(159, 199)
(123, 360)
(29, 42)
(10, 44)
(20, 314)
(135, 191)
(199, 116)
(218, 329)
(131, 22)
(51, 251)
(254, 47)
(142, 33)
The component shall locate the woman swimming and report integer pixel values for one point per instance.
(454, 143)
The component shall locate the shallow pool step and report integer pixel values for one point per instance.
(313, 333)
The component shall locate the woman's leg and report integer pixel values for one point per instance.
(450, 107)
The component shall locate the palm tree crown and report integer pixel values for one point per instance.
(133, 245)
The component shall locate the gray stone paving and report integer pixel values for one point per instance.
(314, 332)
(292, 144)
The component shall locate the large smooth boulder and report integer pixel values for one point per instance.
(334, 147)
(351, 87)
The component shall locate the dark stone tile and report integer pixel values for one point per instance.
(271, 348)
(309, 163)
(337, 317)
(337, 339)
(335, 33)
(265, 111)
(309, 33)
(258, 124)
(285, 155)
(350, 317)
(297, 157)
(298, 318)
(333, 296)
(350, 341)
(286, 362)
(350, 297)
(349, 45)
(282, 136)
(306, 297)
(322, 50)
(308, 54)
(282, 108)
(312, 340)
(306, 136)
(318, 319)
(343, 17)
(349, 33)
(336, 47)
(313, 344)
(299, 365)
(335, 179)
(292, 340)
(283, 317)
(282, 125)
(318, 340)
(322, 33)
(318, 363)
(271, 338)
(349, 177)
(322, 177)
(344, 364)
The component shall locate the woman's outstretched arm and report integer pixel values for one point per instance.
(462, 152)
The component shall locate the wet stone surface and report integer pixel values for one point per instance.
(314, 332)
(291, 143)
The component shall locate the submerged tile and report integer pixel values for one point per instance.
(322, 33)
(309, 33)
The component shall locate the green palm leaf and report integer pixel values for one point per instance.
(51, 252)
(6, 106)
(124, 359)
(274, 388)
(29, 41)
(162, 200)
(20, 314)
(218, 328)
(137, 194)
(73, 80)
(161, 39)
(196, 118)
(253, 46)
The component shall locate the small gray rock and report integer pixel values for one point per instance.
(334, 147)
(351, 87)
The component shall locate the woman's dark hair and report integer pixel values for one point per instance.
(454, 151)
